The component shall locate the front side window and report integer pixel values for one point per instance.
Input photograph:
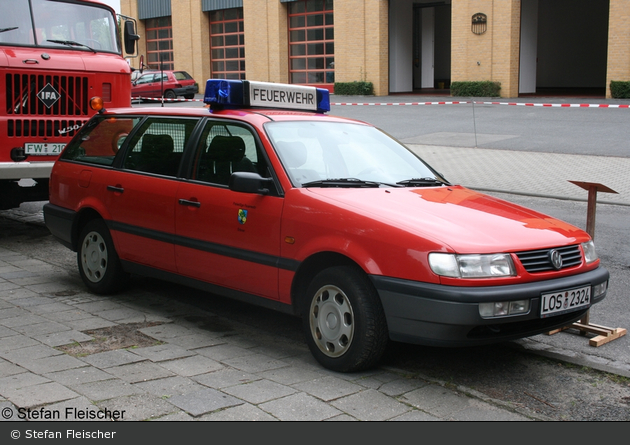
(224, 149)
(227, 44)
(58, 24)
(159, 33)
(159, 145)
(99, 140)
(311, 42)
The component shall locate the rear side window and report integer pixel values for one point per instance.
(181, 75)
(158, 146)
(99, 140)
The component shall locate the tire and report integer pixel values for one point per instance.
(99, 265)
(170, 94)
(189, 96)
(343, 320)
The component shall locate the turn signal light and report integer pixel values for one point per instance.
(96, 103)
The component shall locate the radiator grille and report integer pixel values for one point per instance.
(22, 91)
(539, 261)
(43, 127)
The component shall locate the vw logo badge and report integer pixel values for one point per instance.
(556, 259)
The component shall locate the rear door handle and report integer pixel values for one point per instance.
(115, 188)
(186, 202)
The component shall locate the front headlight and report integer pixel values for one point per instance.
(589, 251)
(472, 266)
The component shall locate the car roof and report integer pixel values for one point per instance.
(251, 115)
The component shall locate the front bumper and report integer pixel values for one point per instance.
(437, 315)
(25, 170)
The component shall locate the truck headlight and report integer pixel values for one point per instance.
(472, 266)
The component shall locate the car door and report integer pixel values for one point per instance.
(141, 195)
(147, 86)
(228, 238)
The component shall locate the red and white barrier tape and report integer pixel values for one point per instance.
(522, 104)
(530, 104)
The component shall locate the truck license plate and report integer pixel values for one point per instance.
(565, 301)
(43, 148)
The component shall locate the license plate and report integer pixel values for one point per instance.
(43, 148)
(565, 301)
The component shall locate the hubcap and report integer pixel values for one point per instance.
(94, 257)
(332, 321)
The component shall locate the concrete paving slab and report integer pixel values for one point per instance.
(52, 364)
(78, 376)
(238, 413)
(170, 386)
(140, 372)
(20, 380)
(139, 407)
(63, 338)
(106, 389)
(191, 366)
(259, 391)
(225, 378)
(204, 401)
(371, 405)
(37, 395)
(109, 359)
(300, 408)
(163, 352)
(255, 363)
(329, 388)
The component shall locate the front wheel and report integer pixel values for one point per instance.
(343, 320)
(99, 266)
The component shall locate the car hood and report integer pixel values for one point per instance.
(465, 220)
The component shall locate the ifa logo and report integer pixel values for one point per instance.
(48, 95)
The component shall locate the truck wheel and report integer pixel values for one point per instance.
(99, 266)
(343, 320)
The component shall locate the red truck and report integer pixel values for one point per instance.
(54, 57)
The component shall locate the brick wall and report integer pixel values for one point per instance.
(493, 55)
(618, 42)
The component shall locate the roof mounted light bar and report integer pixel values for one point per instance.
(223, 93)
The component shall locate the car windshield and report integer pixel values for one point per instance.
(58, 24)
(337, 154)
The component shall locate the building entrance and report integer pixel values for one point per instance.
(564, 45)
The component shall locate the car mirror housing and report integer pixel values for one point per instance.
(248, 182)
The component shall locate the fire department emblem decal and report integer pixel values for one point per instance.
(48, 95)
(242, 216)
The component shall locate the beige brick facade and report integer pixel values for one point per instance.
(618, 42)
(362, 41)
(493, 55)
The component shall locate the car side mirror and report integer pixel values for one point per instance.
(248, 182)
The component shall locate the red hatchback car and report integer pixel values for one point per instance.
(267, 199)
(167, 84)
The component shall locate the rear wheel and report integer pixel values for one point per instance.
(343, 320)
(98, 261)
(169, 94)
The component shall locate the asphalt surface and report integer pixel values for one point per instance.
(194, 362)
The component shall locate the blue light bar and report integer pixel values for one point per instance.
(222, 93)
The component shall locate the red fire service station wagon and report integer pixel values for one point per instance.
(267, 199)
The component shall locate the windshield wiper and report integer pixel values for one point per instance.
(341, 182)
(71, 43)
(422, 182)
(8, 29)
